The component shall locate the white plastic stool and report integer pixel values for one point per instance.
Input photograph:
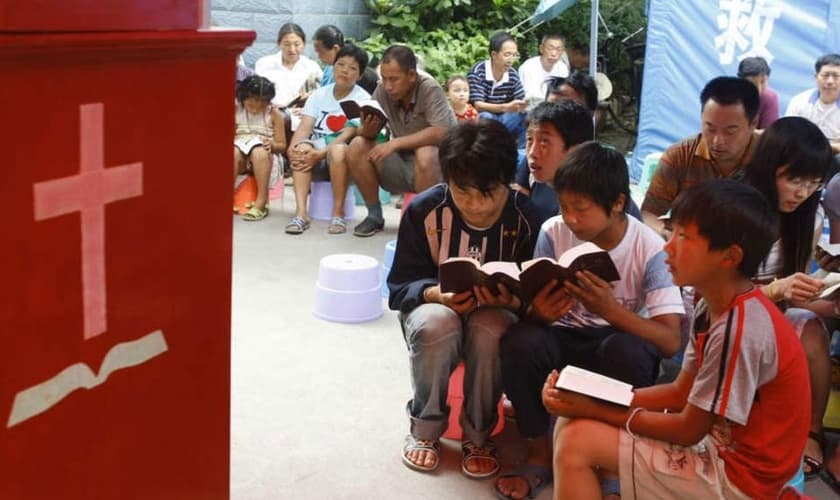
(321, 201)
(348, 289)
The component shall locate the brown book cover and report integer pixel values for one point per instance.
(458, 274)
(353, 109)
(536, 273)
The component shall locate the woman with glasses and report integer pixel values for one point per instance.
(294, 75)
(789, 167)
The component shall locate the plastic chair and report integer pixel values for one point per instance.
(321, 202)
(455, 400)
(348, 289)
(244, 194)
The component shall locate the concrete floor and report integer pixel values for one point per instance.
(317, 408)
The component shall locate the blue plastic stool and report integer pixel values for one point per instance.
(387, 260)
(798, 480)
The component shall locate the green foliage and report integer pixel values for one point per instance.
(449, 35)
(452, 35)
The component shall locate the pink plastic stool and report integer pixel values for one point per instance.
(276, 193)
(455, 401)
(406, 200)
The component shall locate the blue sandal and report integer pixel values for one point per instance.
(297, 225)
(537, 476)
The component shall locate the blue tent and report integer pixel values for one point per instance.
(689, 43)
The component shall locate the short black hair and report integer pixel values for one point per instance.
(454, 78)
(290, 28)
(498, 39)
(478, 155)
(753, 66)
(826, 59)
(329, 36)
(356, 53)
(403, 55)
(552, 36)
(571, 120)
(255, 86)
(727, 213)
(797, 143)
(728, 91)
(581, 82)
(597, 172)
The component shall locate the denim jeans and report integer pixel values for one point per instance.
(437, 339)
(513, 121)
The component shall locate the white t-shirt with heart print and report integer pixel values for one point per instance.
(329, 117)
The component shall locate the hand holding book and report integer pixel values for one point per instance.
(575, 392)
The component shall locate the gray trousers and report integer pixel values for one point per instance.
(437, 339)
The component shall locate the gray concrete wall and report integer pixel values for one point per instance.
(266, 16)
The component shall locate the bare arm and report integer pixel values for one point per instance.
(685, 427)
(596, 295)
(512, 106)
(654, 222)
(304, 130)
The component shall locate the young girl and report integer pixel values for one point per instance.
(327, 41)
(259, 138)
(789, 167)
(458, 92)
(318, 149)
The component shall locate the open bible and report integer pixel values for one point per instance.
(595, 385)
(353, 109)
(458, 274)
(536, 273)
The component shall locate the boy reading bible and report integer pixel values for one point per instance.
(734, 422)
(590, 323)
(473, 214)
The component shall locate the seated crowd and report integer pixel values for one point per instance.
(726, 234)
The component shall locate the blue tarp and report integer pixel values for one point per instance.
(689, 43)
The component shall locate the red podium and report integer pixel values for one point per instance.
(115, 309)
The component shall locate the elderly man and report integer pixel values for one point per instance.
(822, 104)
(722, 149)
(419, 116)
(537, 70)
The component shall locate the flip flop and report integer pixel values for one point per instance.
(472, 451)
(297, 225)
(537, 476)
(337, 226)
(811, 466)
(411, 444)
(255, 214)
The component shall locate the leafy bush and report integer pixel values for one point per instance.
(452, 35)
(449, 35)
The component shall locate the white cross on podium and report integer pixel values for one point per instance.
(88, 192)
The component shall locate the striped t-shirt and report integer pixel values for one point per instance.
(483, 88)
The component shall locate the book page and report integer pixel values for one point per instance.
(573, 253)
(832, 286)
(508, 268)
(529, 263)
(595, 385)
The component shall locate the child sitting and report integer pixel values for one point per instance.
(734, 422)
(474, 214)
(259, 139)
(458, 92)
(592, 324)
